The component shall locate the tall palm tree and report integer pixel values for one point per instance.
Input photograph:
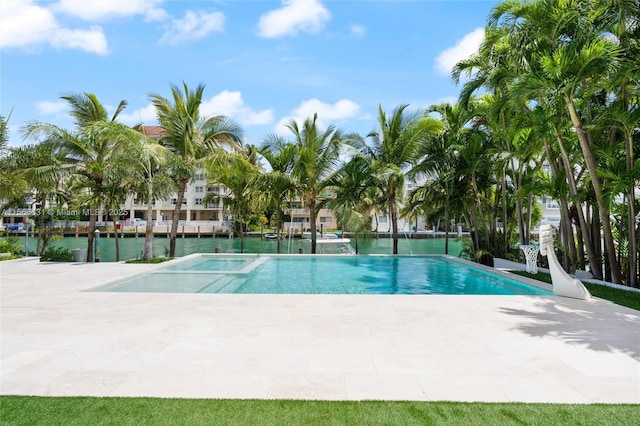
(191, 138)
(238, 172)
(38, 166)
(84, 153)
(394, 148)
(277, 185)
(317, 156)
(138, 172)
(355, 191)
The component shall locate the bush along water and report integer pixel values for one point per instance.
(56, 254)
(10, 248)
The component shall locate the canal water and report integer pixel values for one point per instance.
(131, 248)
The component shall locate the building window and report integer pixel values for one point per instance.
(199, 176)
(198, 201)
(550, 204)
(325, 219)
(199, 189)
(382, 219)
(174, 201)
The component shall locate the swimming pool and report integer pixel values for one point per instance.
(304, 274)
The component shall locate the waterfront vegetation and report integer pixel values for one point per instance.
(30, 410)
(548, 109)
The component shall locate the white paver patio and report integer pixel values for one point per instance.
(58, 339)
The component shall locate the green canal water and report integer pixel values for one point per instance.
(131, 248)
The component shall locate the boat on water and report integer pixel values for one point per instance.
(324, 236)
(334, 245)
(271, 236)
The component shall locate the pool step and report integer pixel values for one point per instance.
(223, 284)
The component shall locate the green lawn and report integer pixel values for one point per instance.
(630, 299)
(17, 410)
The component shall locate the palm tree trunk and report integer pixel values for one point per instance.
(241, 236)
(616, 273)
(115, 236)
(41, 231)
(446, 229)
(148, 233)
(594, 264)
(631, 214)
(175, 218)
(278, 231)
(527, 222)
(93, 217)
(312, 219)
(393, 212)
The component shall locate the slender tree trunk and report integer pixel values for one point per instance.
(581, 264)
(115, 237)
(278, 232)
(616, 273)
(393, 212)
(41, 231)
(93, 217)
(568, 230)
(175, 218)
(631, 214)
(312, 218)
(148, 233)
(594, 264)
(446, 229)
(241, 235)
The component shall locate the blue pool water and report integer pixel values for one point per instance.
(324, 275)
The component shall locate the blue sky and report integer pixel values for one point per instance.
(263, 62)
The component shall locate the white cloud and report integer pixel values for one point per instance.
(232, 105)
(463, 49)
(99, 10)
(357, 31)
(146, 116)
(327, 113)
(225, 103)
(27, 26)
(294, 16)
(193, 26)
(51, 107)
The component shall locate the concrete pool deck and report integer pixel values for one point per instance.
(58, 340)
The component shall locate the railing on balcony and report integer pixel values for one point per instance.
(299, 212)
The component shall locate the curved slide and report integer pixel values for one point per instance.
(563, 283)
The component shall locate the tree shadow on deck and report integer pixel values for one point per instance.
(598, 325)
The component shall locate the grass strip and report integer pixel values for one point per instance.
(26, 410)
(628, 298)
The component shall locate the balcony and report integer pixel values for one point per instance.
(300, 212)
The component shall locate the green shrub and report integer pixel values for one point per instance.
(154, 259)
(56, 254)
(10, 245)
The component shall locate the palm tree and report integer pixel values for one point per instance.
(394, 148)
(355, 195)
(37, 165)
(316, 158)
(238, 172)
(84, 154)
(568, 56)
(277, 185)
(191, 138)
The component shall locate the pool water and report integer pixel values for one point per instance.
(324, 275)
